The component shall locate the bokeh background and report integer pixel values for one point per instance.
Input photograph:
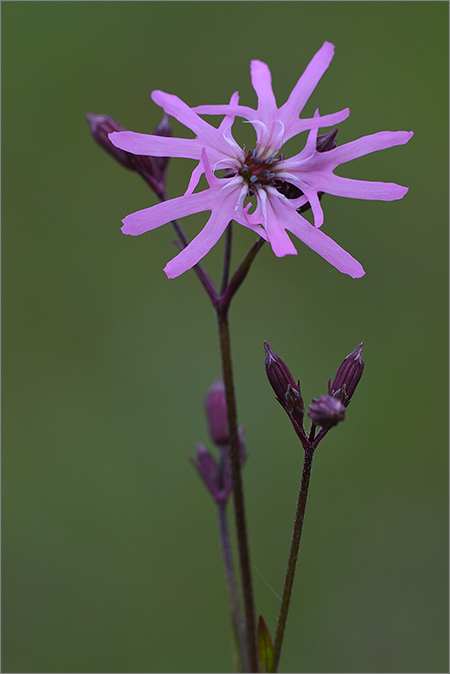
(111, 559)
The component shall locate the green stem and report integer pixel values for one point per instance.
(293, 554)
(241, 528)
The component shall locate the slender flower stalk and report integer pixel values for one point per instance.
(293, 554)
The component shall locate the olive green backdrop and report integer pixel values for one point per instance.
(111, 559)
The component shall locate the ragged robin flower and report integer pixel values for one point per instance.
(255, 183)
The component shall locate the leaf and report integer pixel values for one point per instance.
(265, 647)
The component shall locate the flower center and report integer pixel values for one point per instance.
(258, 171)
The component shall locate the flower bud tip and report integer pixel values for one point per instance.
(348, 375)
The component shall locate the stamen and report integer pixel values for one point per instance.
(255, 170)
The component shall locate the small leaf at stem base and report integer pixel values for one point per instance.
(265, 647)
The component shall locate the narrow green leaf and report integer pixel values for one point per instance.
(265, 647)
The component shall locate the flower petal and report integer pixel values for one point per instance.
(262, 84)
(155, 216)
(225, 109)
(156, 146)
(198, 247)
(315, 239)
(360, 147)
(222, 208)
(209, 136)
(296, 126)
(307, 83)
(359, 189)
(274, 227)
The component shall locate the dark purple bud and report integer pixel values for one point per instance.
(206, 466)
(286, 390)
(326, 141)
(326, 411)
(217, 476)
(211, 474)
(101, 126)
(216, 412)
(278, 373)
(152, 169)
(347, 377)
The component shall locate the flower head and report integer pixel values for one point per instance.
(261, 174)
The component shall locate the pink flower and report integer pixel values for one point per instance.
(259, 173)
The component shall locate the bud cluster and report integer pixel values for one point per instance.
(325, 411)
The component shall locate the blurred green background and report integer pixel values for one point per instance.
(111, 559)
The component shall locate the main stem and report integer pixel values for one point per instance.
(238, 495)
(293, 554)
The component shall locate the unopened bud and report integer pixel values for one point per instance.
(216, 412)
(151, 169)
(326, 141)
(278, 374)
(347, 377)
(217, 476)
(211, 474)
(101, 126)
(326, 411)
(286, 390)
